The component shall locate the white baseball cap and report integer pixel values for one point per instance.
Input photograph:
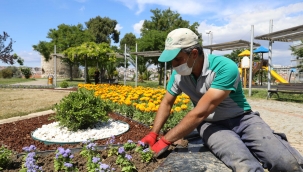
(175, 41)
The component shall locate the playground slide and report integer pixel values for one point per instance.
(276, 76)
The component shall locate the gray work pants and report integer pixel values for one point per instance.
(246, 143)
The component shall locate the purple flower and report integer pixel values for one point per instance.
(65, 155)
(26, 149)
(146, 150)
(104, 166)
(91, 146)
(141, 143)
(30, 161)
(96, 159)
(66, 164)
(68, 151)
(32, 147)
(71, 156)
(121, 150)
(129, 157)
(130, 141)
(61, 150)
(112, 140)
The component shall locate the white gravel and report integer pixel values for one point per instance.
(54, 133)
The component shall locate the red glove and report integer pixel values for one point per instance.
(150, 139)
(161, 146)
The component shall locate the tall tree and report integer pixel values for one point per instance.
(5, 51)
(63, 37)
(298, 52)
(103, 29)
(234, 55)
(90, 54)
(154, 32)
(130, 40)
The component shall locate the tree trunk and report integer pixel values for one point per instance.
(71, 71)
(160, 70)
(86, 73)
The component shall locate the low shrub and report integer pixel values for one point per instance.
(7, 73)
(5, 157)
(26, 72)
(64, 84)
(80, 110)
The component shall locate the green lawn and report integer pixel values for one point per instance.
(14, 80)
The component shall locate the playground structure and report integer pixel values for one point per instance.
(259, 66)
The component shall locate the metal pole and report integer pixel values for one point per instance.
(269, 65)
(124, 64)
(55, 67)
(165, 64)
(269, 57)
(251, 58)
(136, 66)
(211, 38)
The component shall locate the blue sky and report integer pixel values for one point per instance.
(28, 21)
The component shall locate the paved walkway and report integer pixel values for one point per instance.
(32, 115)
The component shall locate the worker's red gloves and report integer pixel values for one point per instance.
(161, 146)
(150, 139)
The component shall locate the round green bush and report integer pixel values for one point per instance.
(81, 110)
(64, 84)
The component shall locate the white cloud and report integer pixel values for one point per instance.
(128, 3)
(31, 58)
(82, 8)
(192, 7)
(137, 27)
(118, 27)
(237, 23)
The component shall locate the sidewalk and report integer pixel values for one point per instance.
(17, 118)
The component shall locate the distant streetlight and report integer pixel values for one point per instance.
(210, 37)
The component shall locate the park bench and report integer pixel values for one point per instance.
(290, 88)
(109, 81)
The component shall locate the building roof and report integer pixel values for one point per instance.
(148, 53)
(286, 35)
(230, 45)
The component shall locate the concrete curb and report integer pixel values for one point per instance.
(17, 118)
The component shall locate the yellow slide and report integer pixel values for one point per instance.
(276, 76)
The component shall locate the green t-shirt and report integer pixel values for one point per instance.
(218, 72)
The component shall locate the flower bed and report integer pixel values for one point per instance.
(18, 136)
(139, 104)
(90, 158)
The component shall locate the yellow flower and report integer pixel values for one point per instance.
(148, 109)
(183, 107)
(127, 102)
(185, 101)
(178, 109)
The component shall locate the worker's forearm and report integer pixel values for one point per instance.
(161, 117)
(187, 125)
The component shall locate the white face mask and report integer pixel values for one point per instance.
(183, 69)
